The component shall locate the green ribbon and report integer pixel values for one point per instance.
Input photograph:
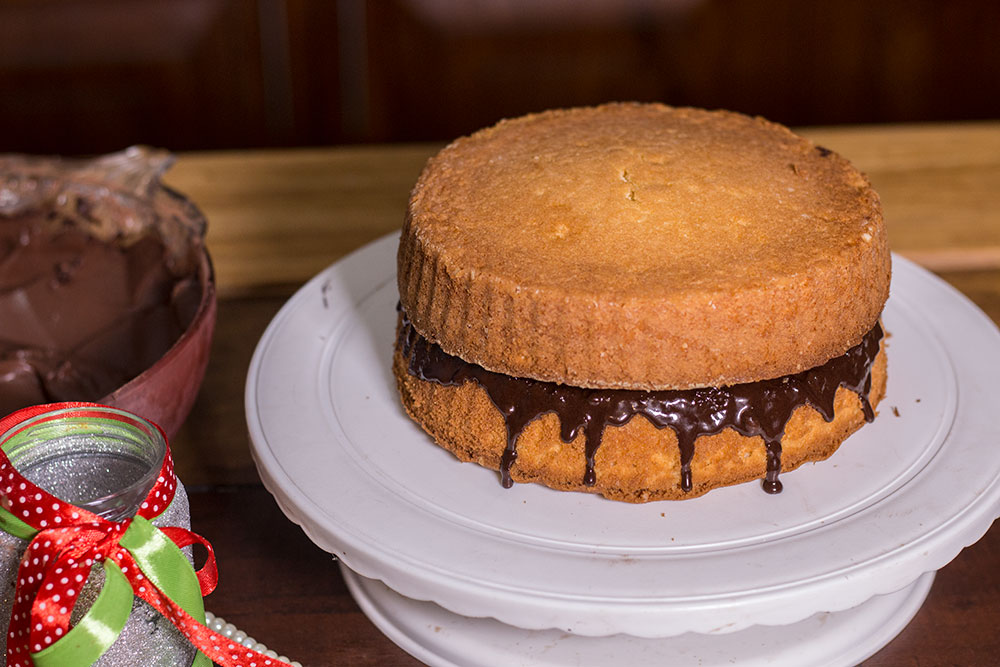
(97, 630)
(11, 524)
(165, 565)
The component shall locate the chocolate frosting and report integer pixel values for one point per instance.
(80, 316)
(753, 409)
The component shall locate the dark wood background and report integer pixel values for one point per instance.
(91, 76)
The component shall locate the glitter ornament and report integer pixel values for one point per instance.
(96, 549)
(107, 467)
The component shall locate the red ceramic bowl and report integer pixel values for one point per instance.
(165, 392)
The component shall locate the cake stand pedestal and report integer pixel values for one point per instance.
(439, 638)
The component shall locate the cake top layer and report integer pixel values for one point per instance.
(614, 212)
(641, 200)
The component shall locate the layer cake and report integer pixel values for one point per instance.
(641, 301)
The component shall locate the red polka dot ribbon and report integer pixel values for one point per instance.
(65, 543)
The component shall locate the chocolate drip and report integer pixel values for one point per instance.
(753, 409)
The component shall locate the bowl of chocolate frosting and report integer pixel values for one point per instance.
(106, 288)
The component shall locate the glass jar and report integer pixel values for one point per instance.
(106, 461)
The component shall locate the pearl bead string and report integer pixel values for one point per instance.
(230, 631)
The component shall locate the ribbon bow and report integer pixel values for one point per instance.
(138, 558)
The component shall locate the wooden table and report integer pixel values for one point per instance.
(279, 217)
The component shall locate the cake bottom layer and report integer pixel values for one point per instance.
(635, 461)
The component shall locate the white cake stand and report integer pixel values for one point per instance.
(845, 546)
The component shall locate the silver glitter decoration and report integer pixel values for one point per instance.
(109, 476)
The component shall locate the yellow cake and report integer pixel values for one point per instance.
(632, 255)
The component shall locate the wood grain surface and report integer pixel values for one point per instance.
(279, 217)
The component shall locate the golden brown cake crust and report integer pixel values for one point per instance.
(642, 247)
(636, 462)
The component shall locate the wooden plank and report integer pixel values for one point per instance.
(279, 217)
(281, 589)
